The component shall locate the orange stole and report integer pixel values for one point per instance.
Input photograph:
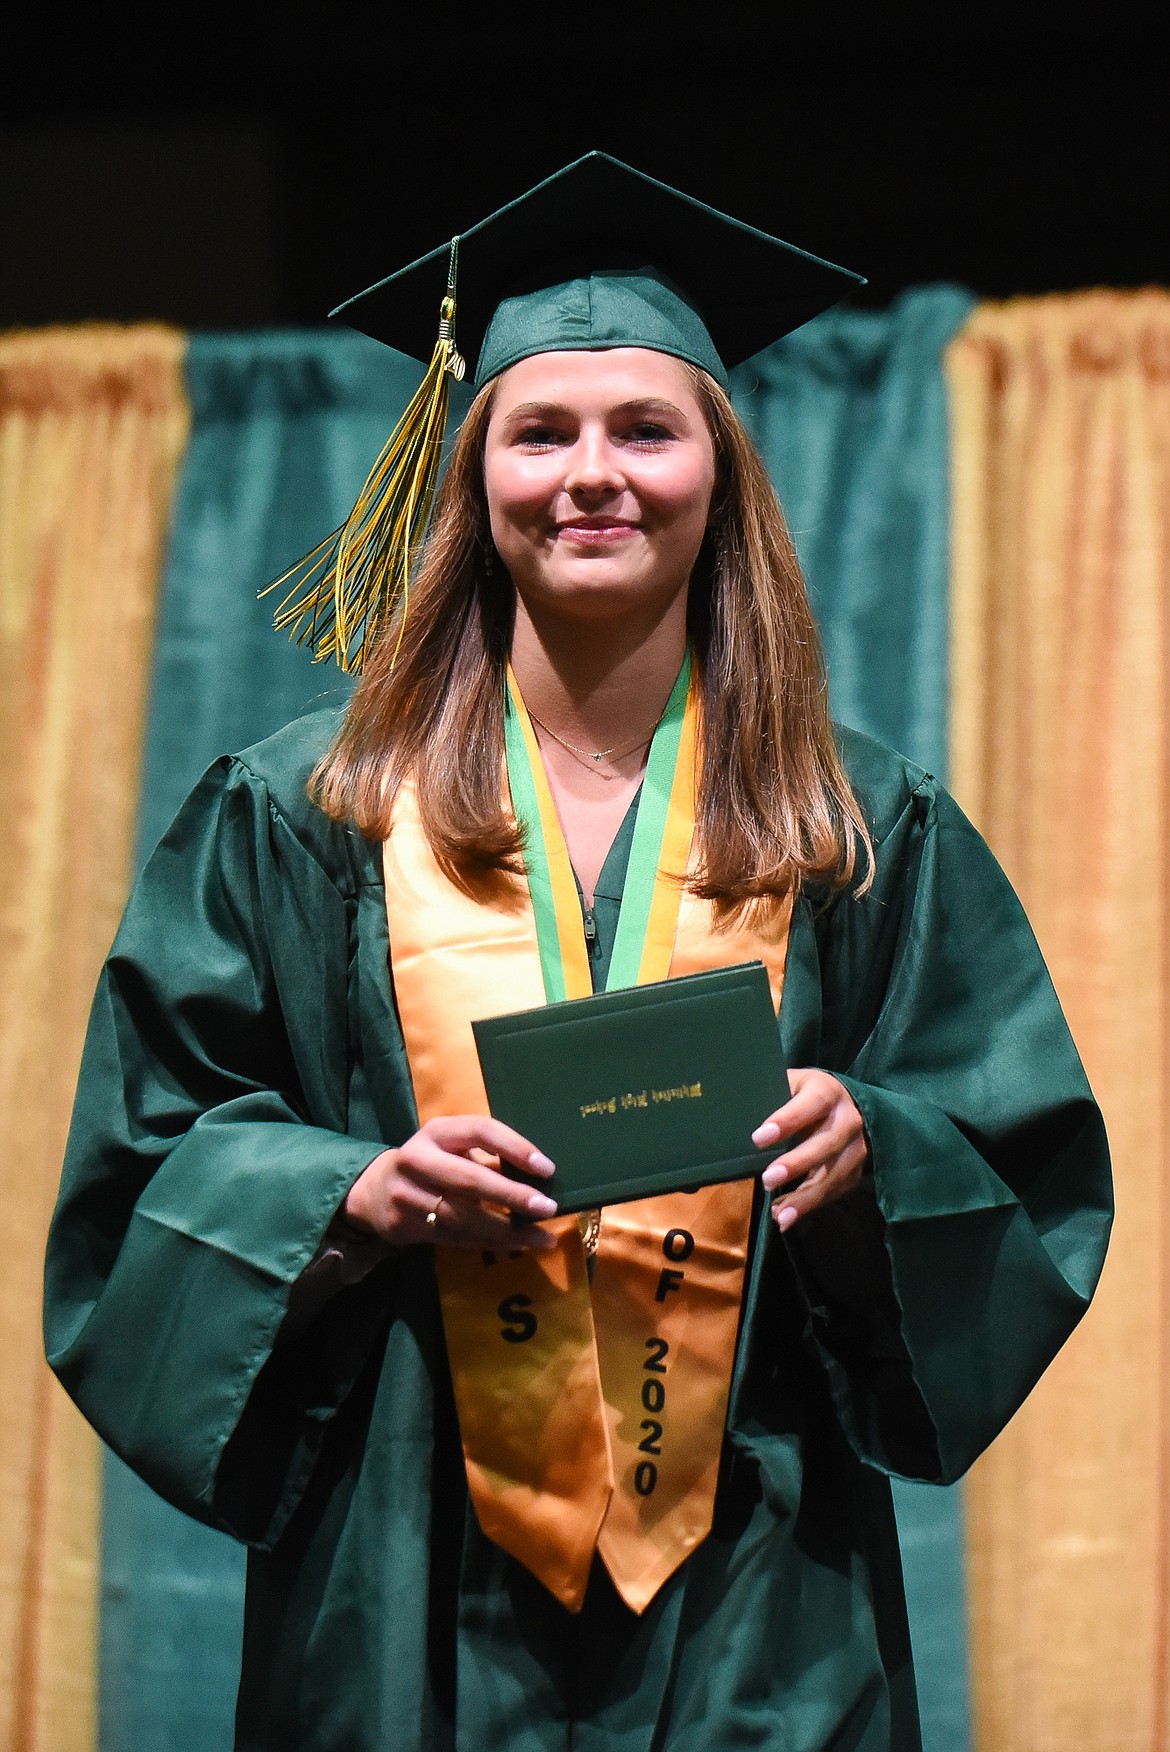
(591, 1416)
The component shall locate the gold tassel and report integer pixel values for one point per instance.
(345, 591)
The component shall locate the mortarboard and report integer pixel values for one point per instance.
(600, 224)
(597, 255)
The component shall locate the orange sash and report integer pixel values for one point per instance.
(591, 1415)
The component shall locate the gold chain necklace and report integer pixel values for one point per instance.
(589, 757)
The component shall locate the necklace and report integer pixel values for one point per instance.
(591, 758)
(589, 1223)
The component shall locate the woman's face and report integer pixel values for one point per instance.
(599, 470)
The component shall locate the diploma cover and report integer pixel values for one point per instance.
(640, 1091)
(591, 1412)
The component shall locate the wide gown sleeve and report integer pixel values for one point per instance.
(207, 1155)
(948, 1284)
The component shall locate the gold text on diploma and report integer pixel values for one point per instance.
(642, 1098)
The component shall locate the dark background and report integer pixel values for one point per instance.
(252, 166)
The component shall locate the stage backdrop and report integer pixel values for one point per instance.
(1061, 713)
(92, 425)
(1061, 461)
(851, 415)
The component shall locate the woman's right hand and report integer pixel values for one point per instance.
(451, 1168)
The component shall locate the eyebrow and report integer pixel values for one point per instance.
(649, 404)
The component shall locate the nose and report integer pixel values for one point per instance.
(593, 466)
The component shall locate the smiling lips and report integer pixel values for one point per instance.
(596, 531)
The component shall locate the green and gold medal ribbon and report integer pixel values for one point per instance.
(652, 878)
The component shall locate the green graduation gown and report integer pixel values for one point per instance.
(244, 1064)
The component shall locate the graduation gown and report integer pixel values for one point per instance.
(244, 1064)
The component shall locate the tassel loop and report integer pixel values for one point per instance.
(456, 363)
(343, 593)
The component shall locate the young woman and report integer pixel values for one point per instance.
(513, 1479)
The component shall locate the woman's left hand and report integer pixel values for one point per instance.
(830, 1158)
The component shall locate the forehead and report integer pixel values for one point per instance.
(608, 376)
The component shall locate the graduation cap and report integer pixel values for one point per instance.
(597, 255)
(599, 224)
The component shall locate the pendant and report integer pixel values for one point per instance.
(589, 1223)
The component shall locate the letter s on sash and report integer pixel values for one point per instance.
(517, 1323)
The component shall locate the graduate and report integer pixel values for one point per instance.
(512, 1478)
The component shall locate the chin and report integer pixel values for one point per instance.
(593, 588)
(597, 592)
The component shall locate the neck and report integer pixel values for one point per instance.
(598, 687)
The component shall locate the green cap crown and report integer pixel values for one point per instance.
(604, 310)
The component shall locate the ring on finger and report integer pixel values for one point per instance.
(432, 1216)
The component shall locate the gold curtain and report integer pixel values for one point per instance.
(92, 424)
(1061, 668)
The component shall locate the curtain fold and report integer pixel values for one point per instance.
(1061, 519)
(285, 427)
(850, 413)
(92, 424)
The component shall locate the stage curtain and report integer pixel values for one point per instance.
(1060, 694)
(851, 415)
(285, 428)
(92, 423)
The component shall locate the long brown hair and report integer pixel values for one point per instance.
(775, 807)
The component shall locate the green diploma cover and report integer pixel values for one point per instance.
(650, 1089)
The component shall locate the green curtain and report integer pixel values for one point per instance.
(850, 414)
(284, 429)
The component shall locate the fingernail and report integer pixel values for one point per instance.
(785, 1217)
(540, 1164)
(775, 1176)
(539, 1206)
(768, 1133)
